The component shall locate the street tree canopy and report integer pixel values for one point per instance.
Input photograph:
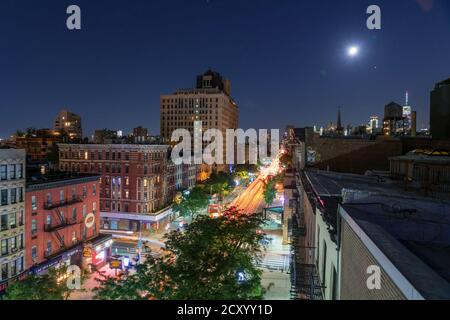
(191, 203)
(40, 287)
(214, 259)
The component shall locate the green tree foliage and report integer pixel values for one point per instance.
(202, 263)
(191, 203)
(40, 287)
(270, 191)
(219, 183)
(243, 176)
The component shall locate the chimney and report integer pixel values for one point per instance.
(414, 124)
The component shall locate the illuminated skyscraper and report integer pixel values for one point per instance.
(407, 114)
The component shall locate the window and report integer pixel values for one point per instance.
(13, 195)
(74, 194)
(4, 247)
(94, 207)
(21, 217)
(20, 194)
(49, 220)
(4, 271)
(61, 196)
(20, 237)
(13, 244)
(74, 237)
(49, 247)
(324, 263)
(84, 211)
(20, 264)
(3, 172)
(19, 171)
(12, 220)
(33, 203)
(94, 189)
(4, 197)
(34, 253)
(84, 191)
(13, 268)
(33, 227)
(4, 222)
(12, 171)
(74, 214)
(48, 199)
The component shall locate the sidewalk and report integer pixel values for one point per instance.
(89, 284)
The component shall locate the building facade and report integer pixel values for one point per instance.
(210, 103)
(440, 110)
(425, 171)
(12, 215)
(70, 123)
(133, 179)
(62, 220)
(41, 145)
(393, 121)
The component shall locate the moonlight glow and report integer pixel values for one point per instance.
(353, 51)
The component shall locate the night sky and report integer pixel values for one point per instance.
(286, 59)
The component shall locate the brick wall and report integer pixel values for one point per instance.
(355, 259)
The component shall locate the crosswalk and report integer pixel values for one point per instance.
(275, 262)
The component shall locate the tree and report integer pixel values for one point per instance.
(220, 183)
(191, 203)
(40, 287)
(19, 134)
(243, 176)
(214, 259)
(270, 191)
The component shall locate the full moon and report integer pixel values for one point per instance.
(353, 51)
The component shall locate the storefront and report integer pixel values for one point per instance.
(96, 252)
(112, 221)
(64, 259)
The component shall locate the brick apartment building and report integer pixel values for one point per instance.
(40, 145)
(63, 223)
(136, 182)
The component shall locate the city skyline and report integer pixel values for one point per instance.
(264, 56)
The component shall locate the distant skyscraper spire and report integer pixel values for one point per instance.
(339, 128)
(407, 98)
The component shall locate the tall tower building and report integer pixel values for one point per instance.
(440, 110)
(407, 112)
(210, 103)
(70, 123)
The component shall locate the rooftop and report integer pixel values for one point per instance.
(434, 156)
(413, 233)
(331, 184)
(58, 179)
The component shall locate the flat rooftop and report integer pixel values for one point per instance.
(331, 184)
(58, 179)
(413, 233)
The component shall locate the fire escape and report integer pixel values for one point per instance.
(62, 221)
(305, 282)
